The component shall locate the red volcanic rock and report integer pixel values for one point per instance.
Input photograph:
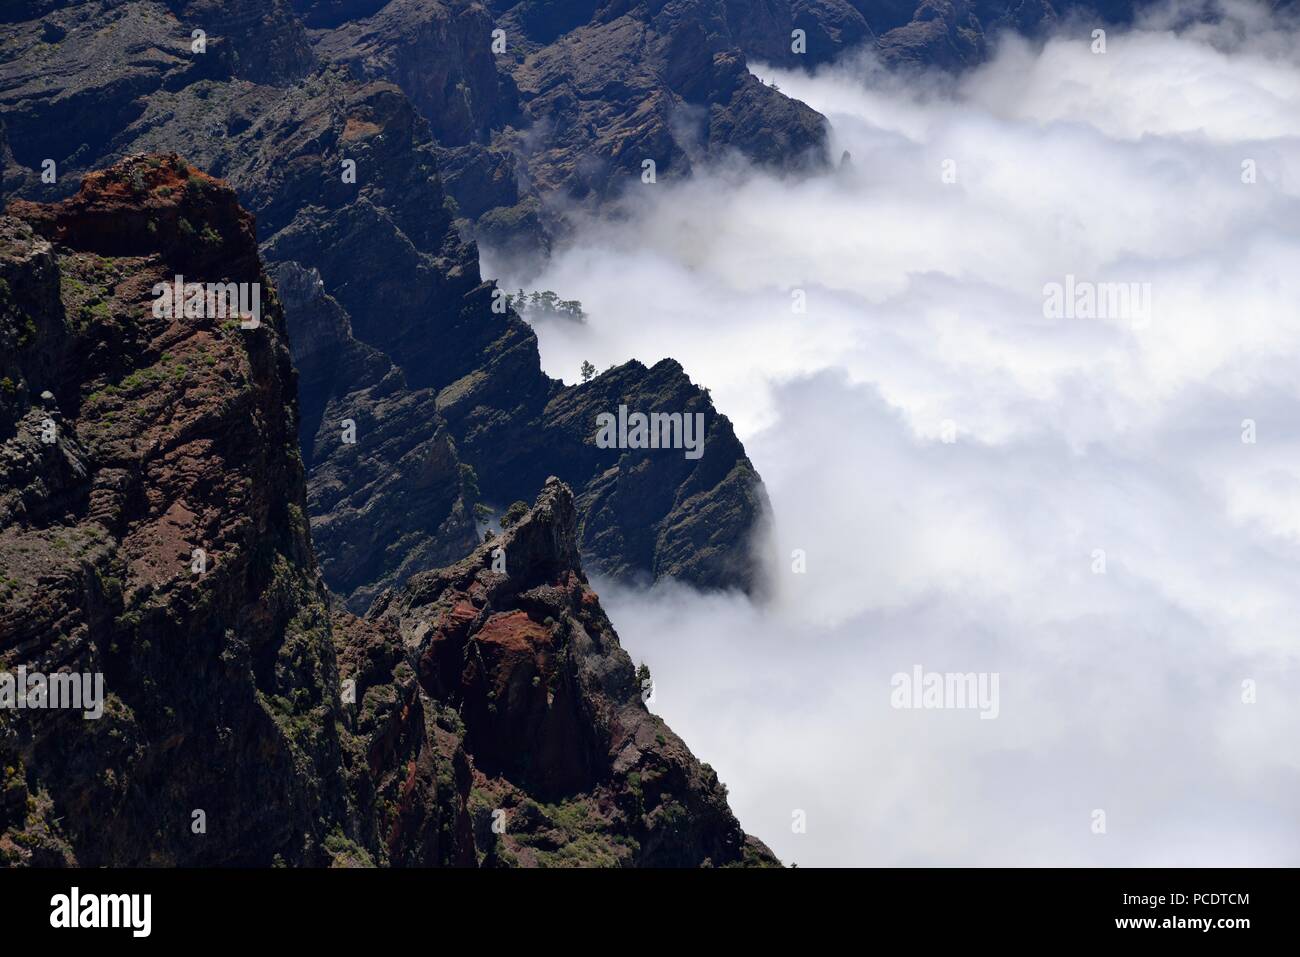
(153, 205)
(131, 444)
(161, 540)
(550, 710)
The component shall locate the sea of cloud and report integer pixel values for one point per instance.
(1120, 691)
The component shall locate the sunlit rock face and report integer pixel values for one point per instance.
(155, 536)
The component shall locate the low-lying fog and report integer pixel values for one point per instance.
(982, 484)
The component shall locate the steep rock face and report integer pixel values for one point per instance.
(405, 323)
(80, 74)
(403, 759)
(440, 55)
(397, 324)
(575, 96)
(398, 499)
(169, 435)
(558, 743)
(648, 80)
(579, 98)
(244, 721)
(646, 513)
(257, 40)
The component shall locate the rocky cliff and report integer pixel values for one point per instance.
(163, 477)
(393, 325)
(508, 657)
(575, 96)
(947, 33)
(153, 530)
(538, 102)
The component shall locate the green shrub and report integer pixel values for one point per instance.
(514, 513)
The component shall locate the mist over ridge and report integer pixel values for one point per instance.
(950, 459)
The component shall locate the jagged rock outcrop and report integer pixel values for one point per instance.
(529, 679)
(439, 54)
(646, 513)
(129, 439)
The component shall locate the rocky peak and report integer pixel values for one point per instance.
(551, 718)
(543, 544)
(153, 205)
(538, 548)
(154, 532)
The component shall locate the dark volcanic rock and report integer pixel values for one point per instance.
(398, 499)
(173, 434)
(440, 55)
(399, 336)
(551, 712)
(645, 513)
(583, 93)
(392, 324)
(65, 99)
(941, 32)
(580, 97)
(304, 736)
(949, 33)
(409, 349)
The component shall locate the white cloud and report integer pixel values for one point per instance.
(1119, 691)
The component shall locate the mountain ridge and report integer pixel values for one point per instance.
(160, 540)
(415, 338)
